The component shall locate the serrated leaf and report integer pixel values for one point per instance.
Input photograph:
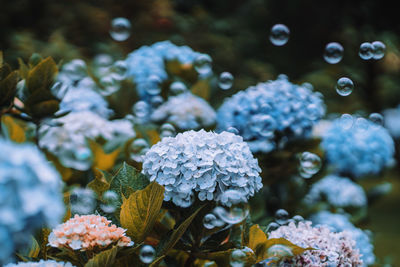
(8, 87)
(256, 237)
(128, 177)
(103, 259)
(99, 184)
(140, 211)
(13, 128)
(102, 160)
(42, 75)
(177, 233)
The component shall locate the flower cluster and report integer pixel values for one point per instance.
(149, 61)
(186, 111)
(41, 263)
(365, 148)
(88, 232)
(329, 248)
(204, 162)
(340, 192)
(340, 223)
(30, 195)
(269, 110)
(68, 141)
(392, 121)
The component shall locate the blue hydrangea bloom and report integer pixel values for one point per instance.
(358, 150)
(186, 111)
(339, 223)
(205, 163)
(340, 192)
(272, 109)
(30, 195)
(392, 121)
(150, 60)
(41, 263)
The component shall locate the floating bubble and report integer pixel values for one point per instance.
(209, 221)
(102, 60)
(366, 51)
(82, 201)
(346, 121)
(238, 258)
(167, 130)
(225, 81)
(279, 34)
(279, 251)
(333, 53)
(110, 85)
(156, 101)
(119, 70)
(233, 207)
(177, 88)
(376, 118)
(379, 50)
(153, 86)
(272, 226)
(233, 130)
(361, 124)
(110, 201)
(344, 86)
(281, 216)
(138, 149)
(202, 64)
(298, 218)
(310, 163)
(120, 29)
(147, 254)
(141, 110)
(263, 125)
(75, 69)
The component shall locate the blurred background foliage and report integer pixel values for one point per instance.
(235, 34)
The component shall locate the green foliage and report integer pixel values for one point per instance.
(104, 259)
(8, 84)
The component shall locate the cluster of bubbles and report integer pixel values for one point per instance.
(348, 121)
(375, 50)
(147, 254)
(310, 164)
(83, 201)
(112, 75)
(279, 35)
(120, 29)
(344, 86)
(282, 218)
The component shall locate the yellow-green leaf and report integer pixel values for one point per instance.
(102, 160)
(103, 259)
(35, 249)
(14, 129)
(140, 211)
(23, 69)
(8, 89)
(42, 75)
(99, 184)
(157, 261)
(256, 237)
(278, 248)
(202, 89)
(1, 58)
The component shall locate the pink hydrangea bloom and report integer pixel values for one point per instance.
(330, 249)
(88, 232)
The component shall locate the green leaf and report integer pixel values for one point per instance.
(23, 69)
(256, 238)
(177, 234)
(35, 249)
(8, 88)
(1, 58)
(42, 75)
(126, 179)
(99, 184)
(103, 259)
(222, 258)
(140, 211)
(35, 59)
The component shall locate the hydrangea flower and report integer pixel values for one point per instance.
(270, 110)
(30, 195)
(68, 141)
(202, 162)
(365, 148)
(186, 111)
(88, 232)
(339, 223)
(340, 192)
(41, 263)
(150, 60)
(392, 121)
(330, 249)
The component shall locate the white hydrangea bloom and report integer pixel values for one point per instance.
(41, 263)
(330, 249)
(186, 111)
(204, 162)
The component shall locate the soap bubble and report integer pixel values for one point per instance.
(233, 207)
(119, 70)
(376, 118)
(366, 51)
(298, 218)
(233, 130)
(156, 101)
(280, 251)
(238, 258)
(82, 201)
(209, 221)
(120, 29)
(279, 34)
(202, 64)
(225, 81)
(110, 201)
(167, 129)
(138, 149)
(153, 85)
(310, 163)
(177, 88)
(379, 49)
(361, 124)
(141, 110)
(263, 125)
(344, 86)
(147, 254)
(110, 85)
(346, 121)
(333, 53)
(281, 216)
(75, 69)
(272, 226)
